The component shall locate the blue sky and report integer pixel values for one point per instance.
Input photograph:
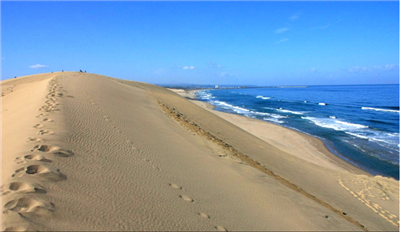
(260, 43)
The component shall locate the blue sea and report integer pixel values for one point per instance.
(358, 123)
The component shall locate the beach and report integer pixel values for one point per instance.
(83, 151)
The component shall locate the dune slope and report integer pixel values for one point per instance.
(90, 152)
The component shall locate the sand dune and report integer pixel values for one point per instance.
(89, 152)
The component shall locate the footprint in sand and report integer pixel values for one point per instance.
(52, 104)
(32, 139)
(55, 95)
(50, 101)
(46, 109)
(205, 216)
(47, 120)
(30, 208)
(20, 160)
(175, 186)
(41, 172)
(53, 150)
(21, 187)
(38, 126)
(18, 173)
(186, 198)
(16, 228)
(41, 115)
(220, 228)
(45, 132)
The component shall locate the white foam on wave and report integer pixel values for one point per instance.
(274, 120)
(351, 124)
(204, 95)
(278, 116)
(335, 124)
(385, 139)
(322, 104)
(249, 113)
(290, 111)
(260, 113)
(378, 109)
(357, 135)
(262, 97)
(269, 114)
(237, 109)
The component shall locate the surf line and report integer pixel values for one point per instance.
(198, 130)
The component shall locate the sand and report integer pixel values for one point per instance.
(88, 152)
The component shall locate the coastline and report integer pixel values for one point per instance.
(307, 147)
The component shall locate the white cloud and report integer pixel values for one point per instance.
(282, 40)
(376, 68)
(38, 66)
(312, 70)
(188, 67)
(391, 67)
(357, 69)
(281, 30)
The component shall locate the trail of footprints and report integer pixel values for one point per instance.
(191, 200)
(365, 193)
(8, 90)
(115, 127)
(184, 197)
(108, 119)
(25, 201)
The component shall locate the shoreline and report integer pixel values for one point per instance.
(321, 148)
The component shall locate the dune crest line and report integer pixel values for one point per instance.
(181, 118)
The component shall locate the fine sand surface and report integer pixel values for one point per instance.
(89, 152)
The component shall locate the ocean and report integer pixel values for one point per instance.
(358, 123)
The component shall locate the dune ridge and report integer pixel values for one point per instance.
(83, 151)
(178, 116)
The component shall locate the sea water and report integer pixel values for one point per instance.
(359, 123)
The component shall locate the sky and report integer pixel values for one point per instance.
(237, 43)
